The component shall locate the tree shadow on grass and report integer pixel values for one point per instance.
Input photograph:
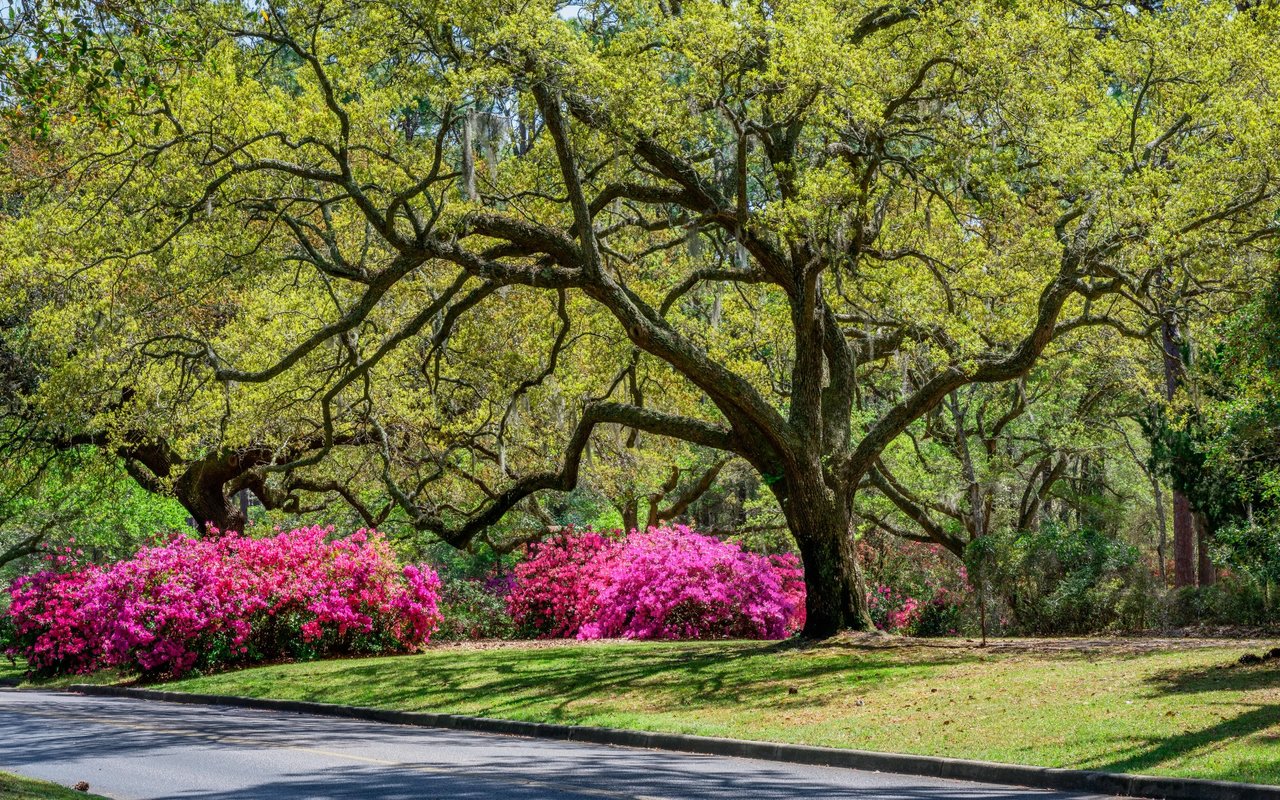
(705, 677)
(557, 682)
(1150, 753)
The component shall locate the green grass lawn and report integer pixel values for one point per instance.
(16, 787)
(1174, 709)
(15, 673)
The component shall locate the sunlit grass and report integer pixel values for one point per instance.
(16, 787)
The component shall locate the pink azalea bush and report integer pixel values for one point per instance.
(916, 589)
(221, 601)
(553, 592)
(666, 583)
(893, 611)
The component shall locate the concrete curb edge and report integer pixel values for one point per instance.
(1103, 783)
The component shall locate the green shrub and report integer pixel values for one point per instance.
(944, 615)
(1235, 600)
(472, 610)
(1250, 550)
(8, 633)
(1061, 580)
(1144, 604)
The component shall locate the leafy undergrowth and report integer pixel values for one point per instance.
(1172, 707)
(16, 787)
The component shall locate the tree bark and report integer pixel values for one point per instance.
(1184, 559)
(630, 515)
(211, 509)
(1184, 542)
(206, 490)
(836, 593)
(1207, 572)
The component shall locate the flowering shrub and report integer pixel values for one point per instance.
(893, 611)
(789, 569)
(224, 600)
(553, 593)
(916, 589)
(666, 583)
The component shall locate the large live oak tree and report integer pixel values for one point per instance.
(769, 205)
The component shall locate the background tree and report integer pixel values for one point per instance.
(1014, 456)
(76, 500)
(1220, 443)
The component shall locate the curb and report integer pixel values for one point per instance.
(1103, 783)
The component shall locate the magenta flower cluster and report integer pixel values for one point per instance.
(222, 601)
(666, 583)
(937, 612)
(893, 611)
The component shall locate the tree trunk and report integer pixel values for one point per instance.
(202, 495)
(469, 157)
(1184, 542)
(1207, 572)
(856, 608)
(212, 512)
(836, 594)
(654, 518)
(1163, 543)
(630, 515)
(1184, 559)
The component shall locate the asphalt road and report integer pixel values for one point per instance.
(129, 748)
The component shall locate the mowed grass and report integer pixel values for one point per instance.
(15, 673)
(1170, 708)
(16, 787)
